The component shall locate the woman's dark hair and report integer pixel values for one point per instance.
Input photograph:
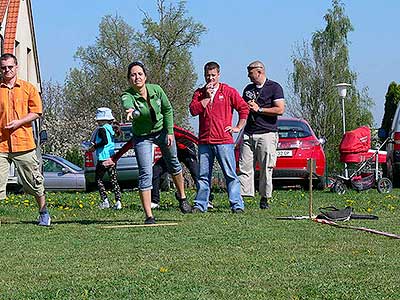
(136, 63)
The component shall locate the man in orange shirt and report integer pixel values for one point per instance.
(20, 104)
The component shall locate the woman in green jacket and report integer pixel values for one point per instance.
(152, 123)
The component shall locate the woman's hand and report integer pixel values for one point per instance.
(170, 140)
(129, 113)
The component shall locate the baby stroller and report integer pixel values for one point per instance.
(355, 149)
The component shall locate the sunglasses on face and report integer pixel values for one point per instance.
(5, 68)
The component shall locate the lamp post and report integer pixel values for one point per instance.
(342, 90)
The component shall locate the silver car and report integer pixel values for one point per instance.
(62, 175)
(59, 175)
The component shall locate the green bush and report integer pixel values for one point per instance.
(75, 156)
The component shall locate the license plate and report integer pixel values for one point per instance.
(129, 153)
(284, 153)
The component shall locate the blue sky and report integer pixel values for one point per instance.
(238, 32)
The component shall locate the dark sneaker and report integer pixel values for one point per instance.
(237, 211)
(183, 204)
(264, 203)
(150, 220)
(44, 219)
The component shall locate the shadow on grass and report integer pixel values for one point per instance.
(90, 222)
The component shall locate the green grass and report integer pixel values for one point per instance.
(217, 255)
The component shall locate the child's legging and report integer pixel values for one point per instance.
(112, 173)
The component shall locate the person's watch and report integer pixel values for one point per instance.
(260, 110)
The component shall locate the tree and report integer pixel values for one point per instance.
(318, 67)
(391, 102)
(165, 46)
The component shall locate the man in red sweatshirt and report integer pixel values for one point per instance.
(214, 104)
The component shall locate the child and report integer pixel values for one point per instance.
(104, 146)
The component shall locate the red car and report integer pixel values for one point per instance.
(297, 143)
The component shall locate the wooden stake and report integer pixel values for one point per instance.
(311, 168)
(137, 225)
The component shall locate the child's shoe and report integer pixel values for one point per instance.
(117, 205)
(104, 204)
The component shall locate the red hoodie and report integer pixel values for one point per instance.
(216, 116)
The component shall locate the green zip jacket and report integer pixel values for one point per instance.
(143, 125)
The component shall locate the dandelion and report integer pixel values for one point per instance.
(163, 270)
(369, 209)
(80, 205)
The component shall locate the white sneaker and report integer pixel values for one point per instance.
(104, 204)
(117, 205)
(210, 205)
(154, 205)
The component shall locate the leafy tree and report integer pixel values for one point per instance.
(102, 76)
(318, 67)
(392, 100)
(165, 47)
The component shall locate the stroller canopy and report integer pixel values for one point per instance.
(356, 141)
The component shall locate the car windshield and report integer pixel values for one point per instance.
(69, 164)
(126, 135)
(293, 129)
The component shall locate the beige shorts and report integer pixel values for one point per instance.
(28, 168)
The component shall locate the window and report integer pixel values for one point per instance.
(51, 166)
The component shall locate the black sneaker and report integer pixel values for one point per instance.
(237, 211)
(264, 203)
(150, 220)
(183, 204)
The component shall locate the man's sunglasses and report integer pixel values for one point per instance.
(5, 68)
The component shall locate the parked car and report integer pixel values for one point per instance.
(392, 169)
(62, 175)
(297, 143)
(59, 175)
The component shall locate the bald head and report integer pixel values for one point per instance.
(256, 72)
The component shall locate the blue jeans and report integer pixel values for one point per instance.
(226, 159)
(143, 146)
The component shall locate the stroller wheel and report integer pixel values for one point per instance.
(384, 185)
(339, 187)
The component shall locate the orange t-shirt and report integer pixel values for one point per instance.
(16, 103)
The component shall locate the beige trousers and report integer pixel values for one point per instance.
(259, 148)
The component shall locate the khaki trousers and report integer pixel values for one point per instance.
(259, 148)
(28, 168)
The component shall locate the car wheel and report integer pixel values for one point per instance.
(15, 189)
(339, 187)
(384, 185)
(90, 187)
(320, 183)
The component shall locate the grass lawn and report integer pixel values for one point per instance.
(217, 255)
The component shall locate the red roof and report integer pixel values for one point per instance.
(11, 23)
